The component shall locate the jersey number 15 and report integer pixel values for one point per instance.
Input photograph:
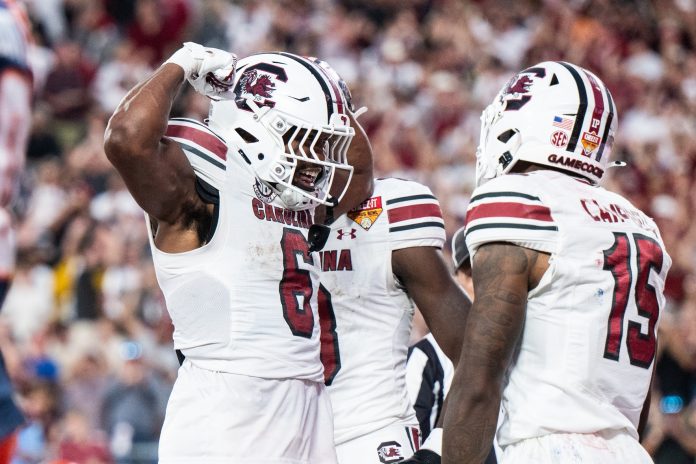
(640, 254)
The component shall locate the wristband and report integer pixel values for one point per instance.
(184, 59)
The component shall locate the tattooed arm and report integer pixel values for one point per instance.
(503, 274)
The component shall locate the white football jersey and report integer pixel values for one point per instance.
(246, 301)
(366, 321)
(15, 99)
(587, 350)
(14, 35)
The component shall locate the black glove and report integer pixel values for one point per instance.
(424, 456)
(317, 237)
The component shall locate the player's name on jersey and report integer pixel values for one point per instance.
(264, 211)
(613, 213)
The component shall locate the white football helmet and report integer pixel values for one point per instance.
(289, 120)
(554, 114)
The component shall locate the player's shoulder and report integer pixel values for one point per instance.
(514, 185)
(413, 213)
(402, 196)
(198, 138)
(394, 188)
(205, 149)
(510, 208)
(517, 196)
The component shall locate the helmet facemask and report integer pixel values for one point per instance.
(496, 156)
(290, 124)
(308, 150)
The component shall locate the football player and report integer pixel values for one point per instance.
(230, 245)
(568, 279)
(15, 122)
(380, 259)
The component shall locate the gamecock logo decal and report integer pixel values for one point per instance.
(258, 86)
(259, 82)
(516, 93)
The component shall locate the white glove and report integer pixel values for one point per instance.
(209, 70)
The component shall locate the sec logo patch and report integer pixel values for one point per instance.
(559, 139)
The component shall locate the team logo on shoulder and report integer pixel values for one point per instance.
(367, 212)
(263, 192)
(389, 451)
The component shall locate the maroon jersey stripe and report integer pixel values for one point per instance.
(414, 212)
(509, 209)
(199, 137)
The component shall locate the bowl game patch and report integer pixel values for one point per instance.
(367, 212)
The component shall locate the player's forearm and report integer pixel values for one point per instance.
(140, 120)
(448, 321)
(469, 425)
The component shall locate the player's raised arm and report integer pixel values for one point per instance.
(154, 168)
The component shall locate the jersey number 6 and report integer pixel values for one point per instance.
(295, 296)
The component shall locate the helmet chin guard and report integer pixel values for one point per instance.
(291, 126)
(555, 114)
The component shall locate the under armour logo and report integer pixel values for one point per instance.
(352, 234)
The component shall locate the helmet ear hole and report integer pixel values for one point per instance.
(507, 135)
(505, 159)
(245, 135)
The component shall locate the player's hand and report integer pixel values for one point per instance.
(209, 70)
(423, 456)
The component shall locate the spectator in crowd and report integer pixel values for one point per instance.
(131, 411)
(15, 121)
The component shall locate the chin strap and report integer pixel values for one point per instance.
(319, 233)
(317, 236)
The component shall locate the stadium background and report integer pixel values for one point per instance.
(85, 331)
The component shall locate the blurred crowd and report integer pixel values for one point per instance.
(85, 331)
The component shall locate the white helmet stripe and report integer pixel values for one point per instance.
(340, 105)
(321, 78)
(607, 127)
(598, 112)
(582, 107)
